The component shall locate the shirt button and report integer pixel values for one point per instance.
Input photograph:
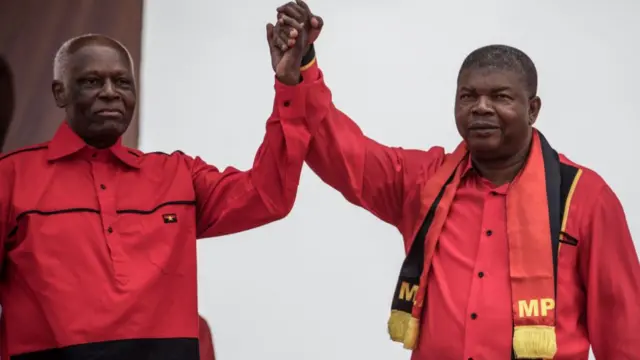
(110, 230)
(474, 316)
(287, 103)
(489, 232)
(480, 274)
(103, 186)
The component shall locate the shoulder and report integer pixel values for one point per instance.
(589, 183)
(158, 156)
(18, 161)
(590, 197)
(422, 162)
(27, 152)
(164, 159)
(26, 155)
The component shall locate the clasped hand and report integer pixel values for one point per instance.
(289, 40)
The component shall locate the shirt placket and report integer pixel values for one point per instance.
(474, 328)
(104, 179)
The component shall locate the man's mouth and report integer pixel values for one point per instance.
(483, 126)
(481, 129)
(109, 113)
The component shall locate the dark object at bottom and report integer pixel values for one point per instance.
(133, 349)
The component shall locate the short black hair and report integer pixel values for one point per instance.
(504, 57)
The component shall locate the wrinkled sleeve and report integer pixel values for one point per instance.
(231, 201)
(610, 270)
(368, 174)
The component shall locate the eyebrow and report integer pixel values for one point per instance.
(89, 72)
(494, 90)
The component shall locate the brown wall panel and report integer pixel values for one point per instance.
(30, 33)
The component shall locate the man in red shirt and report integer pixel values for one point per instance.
(513, 250)
(98, 240)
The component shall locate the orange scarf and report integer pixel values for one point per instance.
(535, 211)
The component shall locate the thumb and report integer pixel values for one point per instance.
(270, 28)
(317, 22)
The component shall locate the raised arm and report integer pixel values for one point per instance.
(368, 174)
(232, 201)
(610, 271)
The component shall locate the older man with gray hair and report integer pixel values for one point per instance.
(98, 241)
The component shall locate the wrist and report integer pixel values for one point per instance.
(309, 58)
(290, 80)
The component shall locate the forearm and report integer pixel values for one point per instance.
(234, 201)
(275, 174)
(367, 173)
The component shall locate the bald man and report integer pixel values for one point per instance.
(98, 241)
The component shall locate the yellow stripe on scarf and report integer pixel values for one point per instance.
(534, 342)
(404, 328)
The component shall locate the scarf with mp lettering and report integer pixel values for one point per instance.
(534, 224)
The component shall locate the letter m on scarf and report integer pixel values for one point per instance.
(408, 292)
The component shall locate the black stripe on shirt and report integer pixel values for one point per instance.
(24, 150)
(95, 211)
(130, 349)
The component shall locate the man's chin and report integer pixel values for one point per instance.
(483, 146)
(109, 128)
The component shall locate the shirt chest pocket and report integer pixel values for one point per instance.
(568, 276)
(162, 239)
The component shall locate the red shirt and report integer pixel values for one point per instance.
(99, 246)
(468, 307)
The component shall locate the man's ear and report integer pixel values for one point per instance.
(534, 109)
(59, 93)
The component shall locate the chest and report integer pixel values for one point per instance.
(97, 215)
(475, 237)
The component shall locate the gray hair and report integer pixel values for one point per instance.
(61, 60)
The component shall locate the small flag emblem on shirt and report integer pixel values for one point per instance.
(169, 218)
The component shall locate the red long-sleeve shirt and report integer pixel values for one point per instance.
(468, 306)
(98, 247)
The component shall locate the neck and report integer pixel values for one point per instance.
(503, 170)
(100, 143)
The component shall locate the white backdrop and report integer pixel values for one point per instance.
(278, 292)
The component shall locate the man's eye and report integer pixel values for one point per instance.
(89, 81)
(123, 82)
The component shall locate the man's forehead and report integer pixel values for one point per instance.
(99, 56)
(488, 76)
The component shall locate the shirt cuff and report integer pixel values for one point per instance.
(290, 100)
(309, 68)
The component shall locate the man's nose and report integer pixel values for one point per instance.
(483, 106)
(109, 90)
